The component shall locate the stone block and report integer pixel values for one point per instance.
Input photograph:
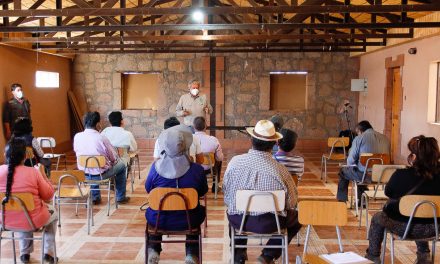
(159, 65)
(307, 64)
(196, 65)
(164, 56)
(95, 67)
(248, 86)
(177, 66)
(264, 96)
(144, 65)
(105, 99)
(184, 56)
(100, 58)
(117, 80)
(126, 63)
(103, 85)
(139, 131)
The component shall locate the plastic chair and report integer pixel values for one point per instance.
(248, 201)
(30, 155)
(380, 175)
(96, 162)
(209, 160)
(22, 202)
(72, 191)
(367, 160)
(134, 162)
(123, 153)
(420, 206)
(332, 157)
(173, 199)
(49, 142)
(322, 213)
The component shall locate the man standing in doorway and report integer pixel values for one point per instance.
(15, 108)
(193, 104)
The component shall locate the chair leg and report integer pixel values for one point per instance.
(433, 251)
(392, 248)
(43, 236)
(297, 239)
(88, 215)
(306, 241)
(356, 201)
(55, 253)
(216, 185)
(351, 195)
(322, 164)
(367, 210)
(325, 170)
(13, 247)
(146, 245)
(108, 198)
(59, 212)
(232, 244)
(200, 249)
(286, 248)
(360, 212)
(206, 218)
(384, 247)
(139, 166)
(338, 232)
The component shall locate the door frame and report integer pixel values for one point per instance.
(390, 65)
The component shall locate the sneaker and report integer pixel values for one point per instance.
(25, 258)
(423, 258)
(153, 256)
(49, 259)
(124, 201)
(191, 259)
(264, 259)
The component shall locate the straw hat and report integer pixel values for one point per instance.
(264, 130)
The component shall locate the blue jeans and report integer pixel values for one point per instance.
(118, 170)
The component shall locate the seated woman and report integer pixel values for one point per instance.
(15, 177)
(174, 170)
(421, 177)
(23, 129)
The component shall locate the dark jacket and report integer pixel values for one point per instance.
(400, 184)
(176, 220)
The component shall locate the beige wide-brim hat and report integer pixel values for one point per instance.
(264, 130)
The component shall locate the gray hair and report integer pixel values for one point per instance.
(193, 81)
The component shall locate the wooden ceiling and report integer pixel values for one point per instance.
(136, 26)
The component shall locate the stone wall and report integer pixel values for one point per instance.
(247, 82)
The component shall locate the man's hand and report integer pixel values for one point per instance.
(206, 109)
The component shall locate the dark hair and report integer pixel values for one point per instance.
(14, 86)
(115, 118)
(22, 126)
(262, 145)
(288, 142)
(199, 123)
(363, 126)
(15, 152)
(91, 119)
(427, 154)
(170, 122)
(277, 121)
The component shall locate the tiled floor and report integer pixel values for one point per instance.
(119, 238)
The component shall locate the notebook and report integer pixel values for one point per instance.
(345, 258)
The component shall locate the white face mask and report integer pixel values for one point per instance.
(19, 94)
(194, 92)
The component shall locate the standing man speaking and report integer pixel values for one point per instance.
(15, 108)
(193, 104)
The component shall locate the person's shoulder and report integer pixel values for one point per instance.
(196, 167)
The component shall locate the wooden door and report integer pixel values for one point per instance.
(395, 114)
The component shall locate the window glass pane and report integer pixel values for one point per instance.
(288, 90)
(140, 90)
(45, 79)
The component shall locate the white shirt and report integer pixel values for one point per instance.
(209, 144)
(193, 150)
(119, 137)
(194, 105)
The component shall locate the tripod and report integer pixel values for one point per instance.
(347, 119)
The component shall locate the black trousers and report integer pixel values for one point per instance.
(266, 223)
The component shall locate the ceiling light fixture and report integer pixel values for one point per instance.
(197, 16)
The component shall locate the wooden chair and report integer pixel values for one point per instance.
(123, 153)
(380, 175)
(332, 157)
(173, 199)
(96, 162)
(72, 191)
(209, 160)
(322, 213)
(134, 162)
(247, 201)
(420, 206)
(22, 202)
(50, 143)
(367, 160)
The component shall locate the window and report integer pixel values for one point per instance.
(288, 90)
(434, 93)
(140, 90)
(46, 79)
(437, 88)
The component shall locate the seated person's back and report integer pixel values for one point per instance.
(285, 154)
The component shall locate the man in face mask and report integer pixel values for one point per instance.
(193, 104)
(15, 108)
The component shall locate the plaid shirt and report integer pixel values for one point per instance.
(257, 170)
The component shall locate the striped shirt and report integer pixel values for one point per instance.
(257, 170)
(293, 163)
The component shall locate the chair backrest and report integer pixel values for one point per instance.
(322, 213)
(370, 159)
(30, 153)
(91, 162)
(170, 199)
(122, 151)
(208, 159)
(47, 142)
(382, 173)
(338, 142)
(79, 175)
(18, 202)
(408, 203)
(259, 201)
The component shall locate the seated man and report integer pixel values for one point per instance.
(285, 154)
(209, 144)
(278, 122)
(90, 142)
(118, 136)
(257, 170)
(367, 141)
(195, 153)
(174, 170)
